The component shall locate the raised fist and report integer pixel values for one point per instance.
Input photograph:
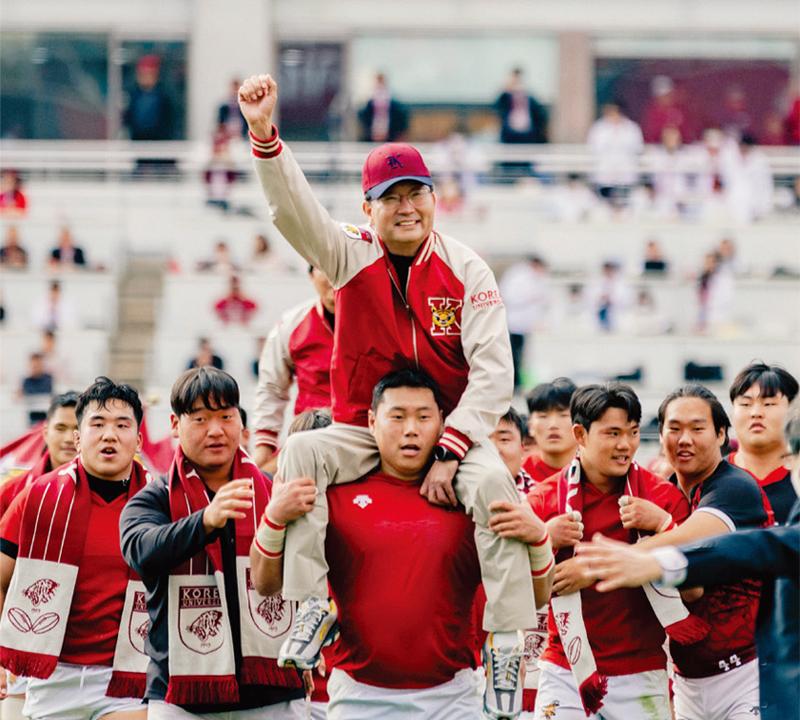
(565, 530)
(257, 97)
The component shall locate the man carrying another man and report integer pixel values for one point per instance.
(403, 571)
(406, 297)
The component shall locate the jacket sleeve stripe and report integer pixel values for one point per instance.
(456, 442)
(266, 437)
(266, 149)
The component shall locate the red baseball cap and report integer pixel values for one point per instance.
(392, 163)
(148, 62)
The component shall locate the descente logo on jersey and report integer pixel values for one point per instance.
(485, 298)
(362, 501)
(445, 315)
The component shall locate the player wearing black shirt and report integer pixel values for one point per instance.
(761, 395)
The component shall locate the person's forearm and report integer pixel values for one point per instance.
(767, 552)
(7, 565)
(299, 216)
(272, 389)
(698, 526)
(266, 573)
(542, 588)
(154, 544)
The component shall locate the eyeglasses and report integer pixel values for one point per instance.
(417, 198)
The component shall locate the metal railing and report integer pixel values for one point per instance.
(334, 160)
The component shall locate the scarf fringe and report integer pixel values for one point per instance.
(528, 700)
(202, 690)
(688, 631)
(27, 664)
(126, 685)
(592, 691)
(265, 671)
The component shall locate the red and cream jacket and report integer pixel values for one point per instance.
(451, 322)
(298, 348)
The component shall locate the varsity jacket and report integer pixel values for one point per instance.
(450, 321)
(299, 347)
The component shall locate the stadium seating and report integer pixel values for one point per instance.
(115, 218)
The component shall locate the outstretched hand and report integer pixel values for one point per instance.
(617, 564)
(257, 98)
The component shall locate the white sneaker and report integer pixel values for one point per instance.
(314, 627)
(502, 658)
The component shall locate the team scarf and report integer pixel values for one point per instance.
(37, 606)
(535, 638)
(524, 482)
(678, 623)
(13, 486)
(42, 467)
(202, 668)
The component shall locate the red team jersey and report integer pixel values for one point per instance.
(403, 573)
(538, 469)
(778, 488)
(94, 616)
(623, 631)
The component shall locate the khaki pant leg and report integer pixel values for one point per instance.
(335, 454)
(505, 568)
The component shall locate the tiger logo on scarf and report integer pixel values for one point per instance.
(41, 592)
(206, 625)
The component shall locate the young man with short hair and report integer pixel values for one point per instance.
(421, 563)
(761, 394)
(766, 553)
(604, 656)
(508, 437)
(406, 296)
(59, 429)
(298, 348)
(71, 620)
(212, 641)
(550, 425)
(716, 678)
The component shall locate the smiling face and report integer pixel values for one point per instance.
(406, 425)
(209, 438)
(608, 446)
(758, 421)
(691, 444)
(107, 439)
(403, 216)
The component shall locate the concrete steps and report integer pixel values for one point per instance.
(140, 290)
